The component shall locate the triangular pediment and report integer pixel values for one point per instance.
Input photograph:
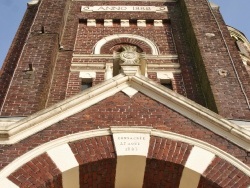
(130, 85)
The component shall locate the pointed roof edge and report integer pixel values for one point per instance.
(30, 125)
(214, 6)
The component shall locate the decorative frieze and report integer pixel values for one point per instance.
(91, 22)
(124, 9)
(158, 23)
(108, 22)
(87, 74)
(141, 23)
(123, 23)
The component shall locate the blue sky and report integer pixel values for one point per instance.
(235, 12)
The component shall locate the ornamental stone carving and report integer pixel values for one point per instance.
(129, 55)
(129, 60)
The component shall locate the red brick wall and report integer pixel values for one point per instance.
(222, 174)
(97, 160)
(97, 166)
(14, 53)
(122, 110)
(223, 94)
(165, 162)
(52, 67)
(39, 172)
(184, 34)
(59, 78)
(28, 95)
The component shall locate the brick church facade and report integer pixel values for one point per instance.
(125, 94)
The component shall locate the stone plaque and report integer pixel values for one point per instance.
(131, 143)
(124, 9)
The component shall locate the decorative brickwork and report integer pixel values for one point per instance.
(122, 110)
(97, 161)
(222, 174)
(39, 172)
(97, 166)
(165, 162)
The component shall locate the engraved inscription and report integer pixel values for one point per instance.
(124, 9)
(131, 143)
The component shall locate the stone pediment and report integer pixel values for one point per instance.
(13, 132)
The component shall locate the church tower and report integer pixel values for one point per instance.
(125, 94)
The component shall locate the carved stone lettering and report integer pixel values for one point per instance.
(131, 143)
(124, 9)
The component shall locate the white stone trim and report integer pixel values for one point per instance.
(214, 6)
(43, 119)
(158, 23)
(9, 120)
(33, 2)
(124, 8)
(66, 162)
(6, 183)
(199, 159)
(237, 34)
(141, 23)
(28, 126)
(193, 111)
(87, 74)
(63, 157)
(130, 91)
(108, 56)
(130, 171)
(189, 179)
(91, 22)
(131, 144)
(168, 1)
(108, 71)
(20, 161)
(100, 43)
(108, 23)
(124, 23)
(243, 124)
(204, 145)
(166, 75)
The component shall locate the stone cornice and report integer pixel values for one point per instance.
(12, 133)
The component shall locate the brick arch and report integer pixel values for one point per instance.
(167, 161)
(104, 45)
(95, 167)
(96, 160)
(113, 45)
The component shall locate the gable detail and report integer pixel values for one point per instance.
(24, 128)
(92, 142)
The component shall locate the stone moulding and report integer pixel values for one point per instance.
(17, 163)
(12, 133)
(166, 1)
(100, 43)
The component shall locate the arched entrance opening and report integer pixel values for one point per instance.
(91, 159)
